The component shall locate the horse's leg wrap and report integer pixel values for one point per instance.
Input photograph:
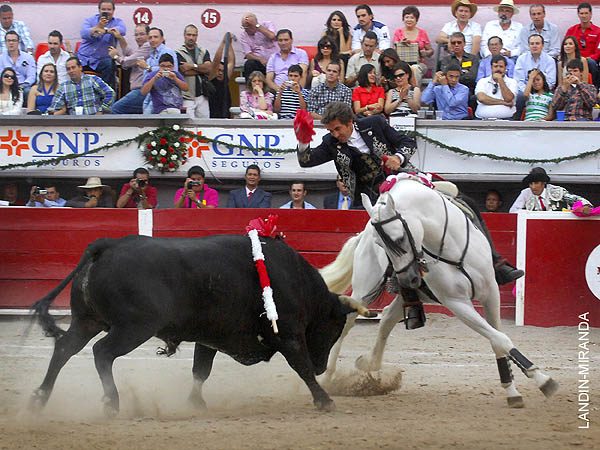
(513, 397)
(526, 366)
(506, 375)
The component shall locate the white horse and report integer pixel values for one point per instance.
(427, 239)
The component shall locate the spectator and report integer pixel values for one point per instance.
(138, 193)
(195, 193)
(570, 50)
(290, 96)
(98, 33)
(404, 98)
(505, 28)
(338, 29)
(326, 53)
(575, 96)
(21, 62)
(367, 98)
(9, 24)
(339, 200)
(538, 97)
(49, 197)
(287, 56)
(156, 39)
(410, 34)
(330, 91)
(588, 35)
(387, 61)
(496, 94)
(42, 93)
(95, 195)
(539, 25)
(364, 15)
(220, 102)
(55, 55)
(485, 65)
(250, 196)
(542, 196)
(449, 95)
(195, 65)
(298, 194)
(493, 201)
(535, 58)
(82, 93)
(464, 11)
(254, 102)
(258, 43)
(467, 62)
(165, 86)
(10, 195)
(133, 59)
(365, 56)
(11, 96)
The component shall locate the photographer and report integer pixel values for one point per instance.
(194, 193)
(138, 193)
(95, 195)
(165, 86)
(48, 197)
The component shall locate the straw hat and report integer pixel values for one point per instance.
(510, 3)
(92, 183)
(457, 3)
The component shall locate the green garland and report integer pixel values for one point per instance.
(178, 134)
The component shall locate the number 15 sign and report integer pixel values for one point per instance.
(211, 18)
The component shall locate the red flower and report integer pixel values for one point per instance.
(163, 160)
(171, 165)
(149, 146)
(183, 163)
(181, 139)
(149, 157)
(163, 141)
(171, 150)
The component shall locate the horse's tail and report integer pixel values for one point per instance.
(41, 308)
(338, 274)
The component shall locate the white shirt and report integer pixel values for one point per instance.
(61, 64)
(510, 37)
(487, 86)
(380, 29)
(472, 29)
(525, 195)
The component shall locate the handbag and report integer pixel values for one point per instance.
(408, 52)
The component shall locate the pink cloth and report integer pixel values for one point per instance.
(577, 206)
(422, 37)
(247, 101)
(210, 195)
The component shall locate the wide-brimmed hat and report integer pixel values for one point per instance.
(457, 3)
(536, 174)
(92, 183)
(510, 3)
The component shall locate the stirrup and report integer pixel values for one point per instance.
(414, 315)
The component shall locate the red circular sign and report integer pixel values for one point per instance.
(142, 16)
(211, 18)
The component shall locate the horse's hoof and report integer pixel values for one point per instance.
(515, 402)
(363, 363)
(325, 405)
(197, 402)
(37, 401)
(111, 407)
(549, 388)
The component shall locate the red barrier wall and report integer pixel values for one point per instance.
(39, 247)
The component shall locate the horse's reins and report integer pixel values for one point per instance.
(417, 256)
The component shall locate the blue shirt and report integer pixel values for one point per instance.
(341, 200)
(48, 203)
(525, 63)
(155, 55)
(25, 41)
(93, 49)
(485, 68)
(452, 100)
(24, 67)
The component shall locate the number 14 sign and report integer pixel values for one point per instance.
(142, 16)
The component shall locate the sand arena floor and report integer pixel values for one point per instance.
(450, 397)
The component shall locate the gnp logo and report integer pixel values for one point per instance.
(46, 144)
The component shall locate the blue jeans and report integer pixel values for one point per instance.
(130, 104)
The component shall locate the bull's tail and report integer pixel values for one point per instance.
(338, 274)
(41, 308)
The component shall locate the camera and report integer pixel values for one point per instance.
(38, 191)
(104, 15)
(140, 182)
(166, 72)
(192, 183)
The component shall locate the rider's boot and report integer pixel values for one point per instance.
(414, 314)
(505, 272)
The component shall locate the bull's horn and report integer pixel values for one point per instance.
(355, 305)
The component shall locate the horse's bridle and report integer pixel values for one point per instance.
(417, 260)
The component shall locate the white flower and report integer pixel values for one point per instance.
(171, 169)
(176, 127)
(159, 165)
(173, 157)
(151, 133)
(176, 144)
(153, 144)
(163, 152)
(154, 153)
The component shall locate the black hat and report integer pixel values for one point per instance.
(536, 174)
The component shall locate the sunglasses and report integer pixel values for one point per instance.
(325, 46)
(12, 77)
(399, 75)
(495, 90)
(582, 42)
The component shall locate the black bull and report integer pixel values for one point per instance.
(204, 290)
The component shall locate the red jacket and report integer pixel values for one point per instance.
(592, 40)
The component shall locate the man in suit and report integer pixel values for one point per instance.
(339, 200)
(250, 196)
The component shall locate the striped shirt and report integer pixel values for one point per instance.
(321, 95)
(25, 41)
(537, 106)
(290, 102)
(91, 92)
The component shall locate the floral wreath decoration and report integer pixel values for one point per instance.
(166, 149)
